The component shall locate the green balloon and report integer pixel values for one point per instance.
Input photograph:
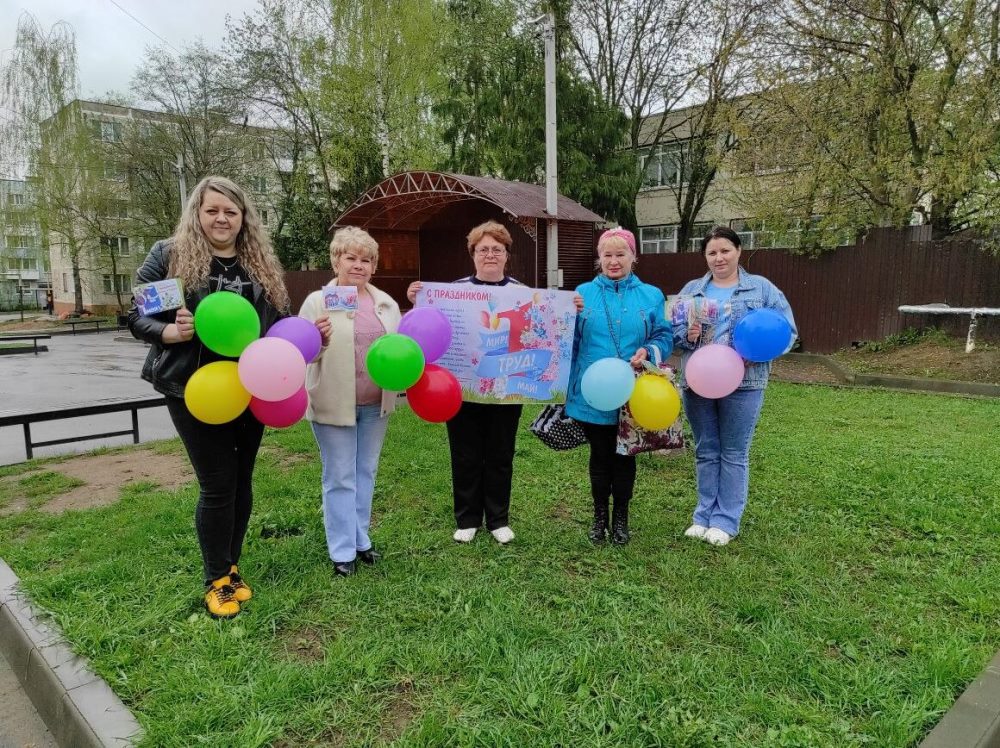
(395, 362)
(226, 323)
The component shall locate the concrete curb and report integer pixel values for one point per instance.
(77, 706)
(913, 384)
(974, 720)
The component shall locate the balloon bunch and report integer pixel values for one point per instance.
(402, 361)
(609, 383)
(270, 374)
(714, 371)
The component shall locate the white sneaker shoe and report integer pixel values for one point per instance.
(503, 535)
(696, 531)
(466, 535)
(715, 536)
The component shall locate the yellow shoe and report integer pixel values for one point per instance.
(241, 593)
(220, 600)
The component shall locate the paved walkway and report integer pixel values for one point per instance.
(20, 725)
(77, 370)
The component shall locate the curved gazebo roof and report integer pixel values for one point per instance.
(405, 201)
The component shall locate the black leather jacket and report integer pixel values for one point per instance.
(169, 365)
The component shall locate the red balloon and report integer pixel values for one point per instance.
(437, 395)
(280, 414)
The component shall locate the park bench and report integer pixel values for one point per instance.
(75, 411)
(108, 324)
(33, 337)
(973, 312)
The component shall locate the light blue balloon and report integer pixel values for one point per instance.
(607, 384)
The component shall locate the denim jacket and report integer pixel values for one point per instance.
(635, 313)
(752, 292)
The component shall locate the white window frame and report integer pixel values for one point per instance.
(118, 245)
(657, 245)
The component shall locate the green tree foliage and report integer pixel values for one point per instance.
(493, 113)
(878, 113)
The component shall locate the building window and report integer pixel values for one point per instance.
(65, 282)
(263, 217)
(115, 245)
(113, 171)
(107, 132)
(121, 283)
(114, 209)
(16, 198)
(258, 184)
(657, 240)
(18, 241)
(661, 165)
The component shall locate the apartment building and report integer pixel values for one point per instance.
(104, 232)
(24, 263)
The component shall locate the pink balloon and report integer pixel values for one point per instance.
(301, 333)
(283, 413)
(272, 369)
(714, 371)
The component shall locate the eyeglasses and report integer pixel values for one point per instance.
(494, 251)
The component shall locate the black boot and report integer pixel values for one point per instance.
(599, 529)
(619, 526)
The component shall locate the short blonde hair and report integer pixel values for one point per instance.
(493, 229)
(353, 238)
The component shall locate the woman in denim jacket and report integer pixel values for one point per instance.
(622, 317)
(723, 428)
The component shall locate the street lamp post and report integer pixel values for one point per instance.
(553, 273)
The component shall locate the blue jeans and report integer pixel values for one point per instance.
(722, 431)
(350, 459)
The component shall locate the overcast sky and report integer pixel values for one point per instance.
(110, 45)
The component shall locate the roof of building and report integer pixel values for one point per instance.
(406, 200)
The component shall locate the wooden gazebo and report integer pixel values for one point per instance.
(421, 218)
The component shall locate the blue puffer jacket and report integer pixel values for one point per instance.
(635, 313)
(753, 292)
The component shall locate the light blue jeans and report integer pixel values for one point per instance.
(350, 460)
(722, 431)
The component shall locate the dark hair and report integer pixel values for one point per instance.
(720, 232)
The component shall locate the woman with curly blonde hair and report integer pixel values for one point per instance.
(219, 245)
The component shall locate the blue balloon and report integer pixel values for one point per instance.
(607, 384)
(762, 335)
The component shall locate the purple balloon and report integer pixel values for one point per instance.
(430, 328)
(299, 332)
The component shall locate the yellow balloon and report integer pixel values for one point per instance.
(214, 393)
(655, 403)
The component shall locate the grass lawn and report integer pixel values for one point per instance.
(859, 601)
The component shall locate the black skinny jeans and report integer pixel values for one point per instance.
(482, 437)
(611, 474)
(223, 457)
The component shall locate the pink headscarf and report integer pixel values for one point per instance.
(627, 236)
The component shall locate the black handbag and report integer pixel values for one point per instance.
(556, 429)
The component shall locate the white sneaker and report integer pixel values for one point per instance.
(696, 531)
(503, 535)
(466, 535)
(715, 536)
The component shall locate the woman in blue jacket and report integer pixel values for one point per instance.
(622, 317)
(723, 427)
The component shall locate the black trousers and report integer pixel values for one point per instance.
(481, 437)
(223, 457)
(611, 474)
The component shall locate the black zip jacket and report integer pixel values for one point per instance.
(169, 365)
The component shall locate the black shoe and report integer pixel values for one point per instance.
(370, 556)
(599, 530)
(619, 529)
(344, 569)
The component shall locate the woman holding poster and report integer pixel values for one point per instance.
(348, 411)
(622, 318)
(707, 311)
(482, 435)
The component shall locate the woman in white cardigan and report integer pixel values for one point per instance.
(348, 411)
